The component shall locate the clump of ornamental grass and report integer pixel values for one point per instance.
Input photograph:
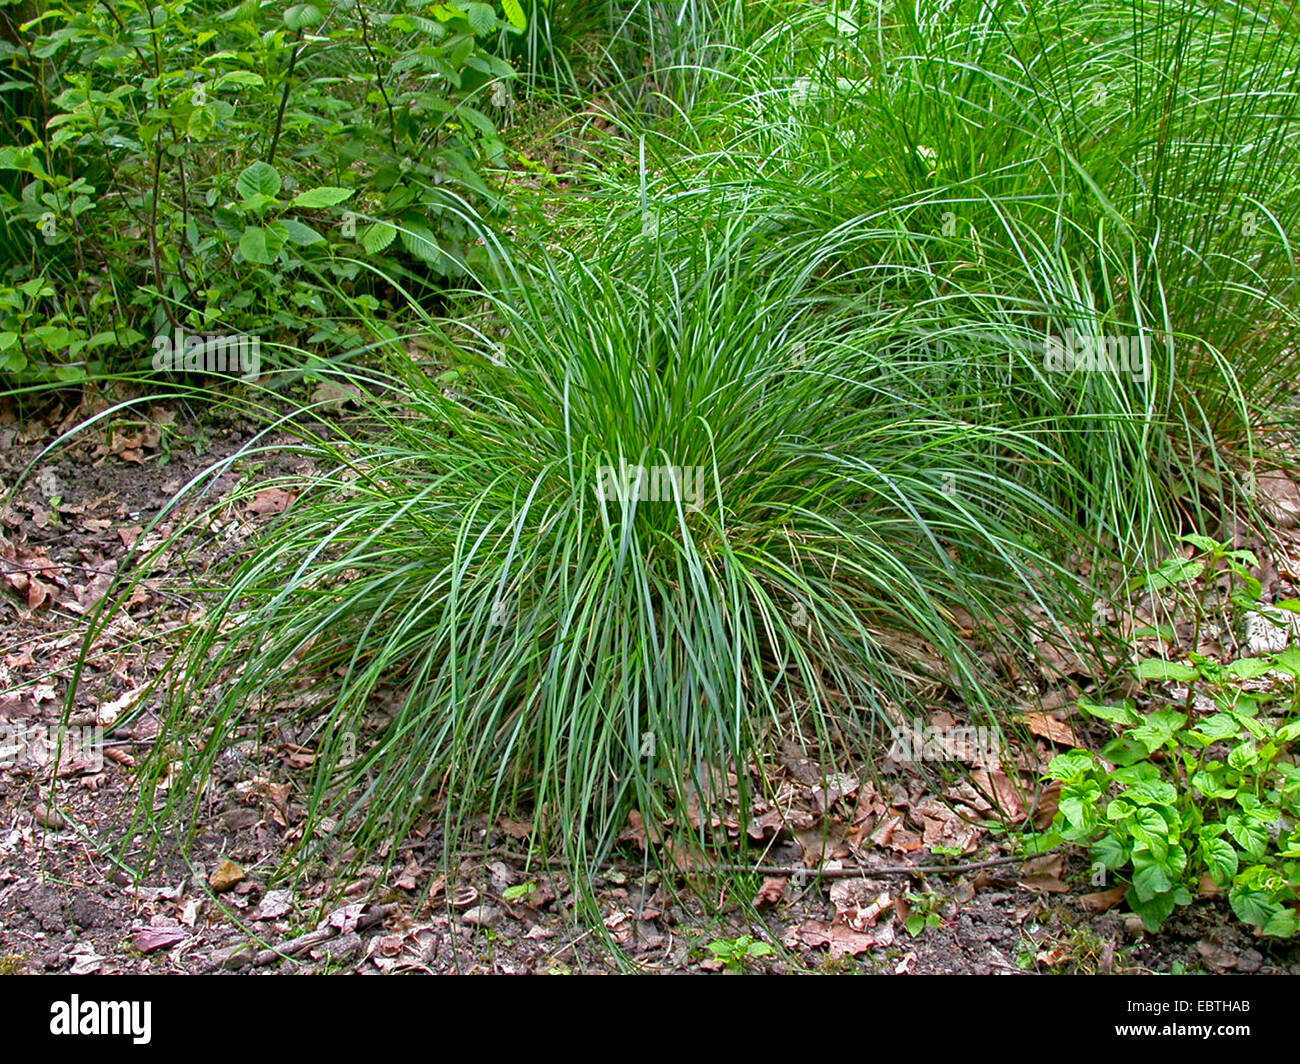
(1107, 172)
(646, 516)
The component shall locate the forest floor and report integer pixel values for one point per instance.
(894, 842)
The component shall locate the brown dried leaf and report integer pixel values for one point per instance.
(270, 501)
(843, 941)
(1103, 900)
(1045, 726)
(771, 892)
(1000, 788)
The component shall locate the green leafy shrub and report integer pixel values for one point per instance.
(1178, 796)
(279, 171)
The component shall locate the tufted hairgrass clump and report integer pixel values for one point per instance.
(493, 616)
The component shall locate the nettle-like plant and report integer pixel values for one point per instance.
(144, 177)
(1179, 802)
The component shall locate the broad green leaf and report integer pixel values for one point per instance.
(301, 16)
(300, 233)
(1151, 880)
(1111, 852)
(238, 77)
(1152, 792)
(1282, 924)
(1169, 572)
(1070, 766)
(1148, 826)
(481, 17)
(1212, 785)
(1154, 911)
(1159, 669)
(1288, 661)
(1249, 668)
(515, 13)
(1253, 907)
(378, 236)
(420, 241)
(1157, 729)
(1123, 713)
(1252, 838)
(261, 244)
(1220, 858)
(260, 179)
(201, 123)
(322, 196)
(1218, 726)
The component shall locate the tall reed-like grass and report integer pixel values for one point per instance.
(1009, 172)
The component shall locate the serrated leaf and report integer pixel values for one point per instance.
(1155, 911)
(1219, 726)
(301, 16)
(1210, 785)
(420, 241)
(1282, 924)
(259, 179)
(1150, 881)
(1253, 907)
(322, 196)
(1152, 792)
(1252, 838)
(1124, 751)
(375, 238)
(481, 17)
(1070, 766)
(1111, 852)
(1157, 729)
(515, 13)
(300, 233)
(1148, 826)
(1169, 572)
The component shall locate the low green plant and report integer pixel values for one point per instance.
(1178, 796)
(519, 892)
(736, 953)
(922, 913)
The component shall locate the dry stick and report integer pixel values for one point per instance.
(778, 870)
(248, 956)
(859, 870)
